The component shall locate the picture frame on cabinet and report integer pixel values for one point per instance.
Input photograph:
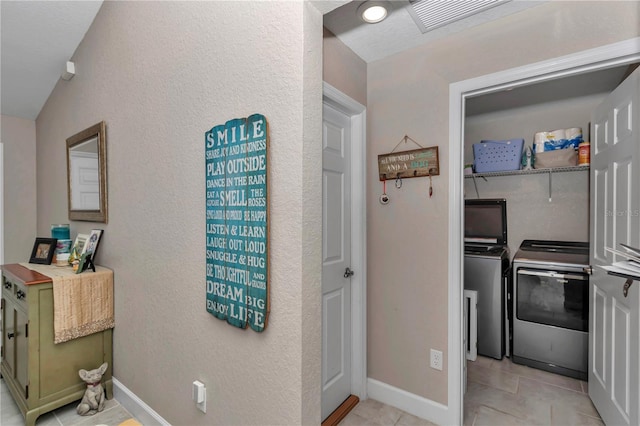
(43, 250)
(78, 244)
(91, 244)
(85, 262)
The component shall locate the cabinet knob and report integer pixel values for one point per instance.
(7, 285)
(10, 335)
(20, 294)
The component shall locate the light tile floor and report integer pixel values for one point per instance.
(10, 415)
(504, 393)
(501, 393)
(372, 412)
(498, 393)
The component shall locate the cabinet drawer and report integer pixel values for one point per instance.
(15, 291)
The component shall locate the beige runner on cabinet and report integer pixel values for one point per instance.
(82, 303)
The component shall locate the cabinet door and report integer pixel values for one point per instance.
(22, 354)
(8, 336)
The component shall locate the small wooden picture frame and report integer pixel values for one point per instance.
(43, 250)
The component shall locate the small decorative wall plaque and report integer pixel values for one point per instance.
(237, 232)
(408, 164)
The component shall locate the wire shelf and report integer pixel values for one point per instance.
(530, 172)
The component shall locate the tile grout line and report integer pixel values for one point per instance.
(57, 419)
(475, 417)
(554, 385)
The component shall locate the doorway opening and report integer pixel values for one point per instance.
(619, 54)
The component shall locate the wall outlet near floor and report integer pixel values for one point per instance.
(436, 359)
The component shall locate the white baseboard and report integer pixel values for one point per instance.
(387, 394)
(137, 407)
(406, 401)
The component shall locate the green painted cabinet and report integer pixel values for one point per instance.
(41, 375)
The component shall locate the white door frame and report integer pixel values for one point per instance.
(1, 203)
(357, 112)
(621, 53)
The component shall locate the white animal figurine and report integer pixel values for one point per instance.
(93, 399)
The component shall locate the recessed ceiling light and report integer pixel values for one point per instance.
(372, 11)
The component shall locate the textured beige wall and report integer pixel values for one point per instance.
(19, 173)
(310, 240)
(343, 69)
(407, 239)
(161, 74)
(530, 215)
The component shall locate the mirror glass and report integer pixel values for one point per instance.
(87, 174)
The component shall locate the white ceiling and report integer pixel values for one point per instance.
(399, 31)
(37, 39)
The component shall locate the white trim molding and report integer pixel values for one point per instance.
(357, 112)
(621, 53)
(409, 402)
(1, 205)
(137, 407)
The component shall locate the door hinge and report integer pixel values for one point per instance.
(26, 392)
(1, 303)
(2, 352)
(26, 330)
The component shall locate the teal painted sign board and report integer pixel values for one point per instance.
(237, 222)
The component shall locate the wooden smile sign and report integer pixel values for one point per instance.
(237, 222)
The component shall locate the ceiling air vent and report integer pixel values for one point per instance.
(432, 14)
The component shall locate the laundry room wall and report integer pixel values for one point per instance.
(408, 94)
(530, 213)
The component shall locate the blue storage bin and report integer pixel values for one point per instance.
(497, 156)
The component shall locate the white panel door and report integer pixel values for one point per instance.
(614, 359)
(336, 258)
(85, 192)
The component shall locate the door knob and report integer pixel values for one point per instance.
(588, 270)
(348, 273)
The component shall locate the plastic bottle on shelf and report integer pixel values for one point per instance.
(584, 153)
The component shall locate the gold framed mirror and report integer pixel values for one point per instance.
(87, 174)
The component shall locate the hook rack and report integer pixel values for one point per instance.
(422, 162)
(409, 164)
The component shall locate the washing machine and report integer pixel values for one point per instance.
(487, 271)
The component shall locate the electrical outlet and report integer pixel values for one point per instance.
(436, 359)
(199, 395)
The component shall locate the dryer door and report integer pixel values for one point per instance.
(556, 298)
